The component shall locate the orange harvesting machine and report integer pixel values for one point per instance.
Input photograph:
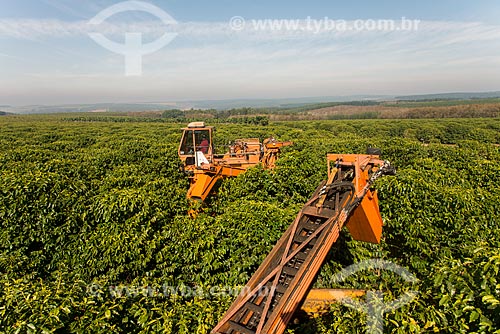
(282, 284)
(204, 167)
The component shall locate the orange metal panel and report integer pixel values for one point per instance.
(291, 267)
(201, 185)
(319, 300)
(366, 223)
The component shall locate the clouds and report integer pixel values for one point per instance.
(431, 35)
(210, 60)
(52, 28)
(30, 28)
(433, 38)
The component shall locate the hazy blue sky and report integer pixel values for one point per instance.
(47, 56)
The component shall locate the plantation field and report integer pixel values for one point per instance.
(93, 212)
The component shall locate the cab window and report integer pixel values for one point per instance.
(187, 143)
(202, 138)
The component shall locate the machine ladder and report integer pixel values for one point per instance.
(280, 285)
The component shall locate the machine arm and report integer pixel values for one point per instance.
(281, 283)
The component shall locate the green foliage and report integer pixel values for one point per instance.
(93, 213)
(173, 114)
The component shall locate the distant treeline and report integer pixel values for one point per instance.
(283, 110)
(487, 108)
(290, 109)
(457, 111)
(116, 119)
(363, 115)
(235, 116)
(250, 120)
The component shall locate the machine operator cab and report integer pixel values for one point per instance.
(196, 147)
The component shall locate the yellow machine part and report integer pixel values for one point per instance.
(365, 224)
(203, 180)
(289, 270)
(201, 185)
(318, 301)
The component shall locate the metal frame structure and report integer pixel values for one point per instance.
(204, 170)
(282, 282)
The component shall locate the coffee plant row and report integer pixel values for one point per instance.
(89, 207)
